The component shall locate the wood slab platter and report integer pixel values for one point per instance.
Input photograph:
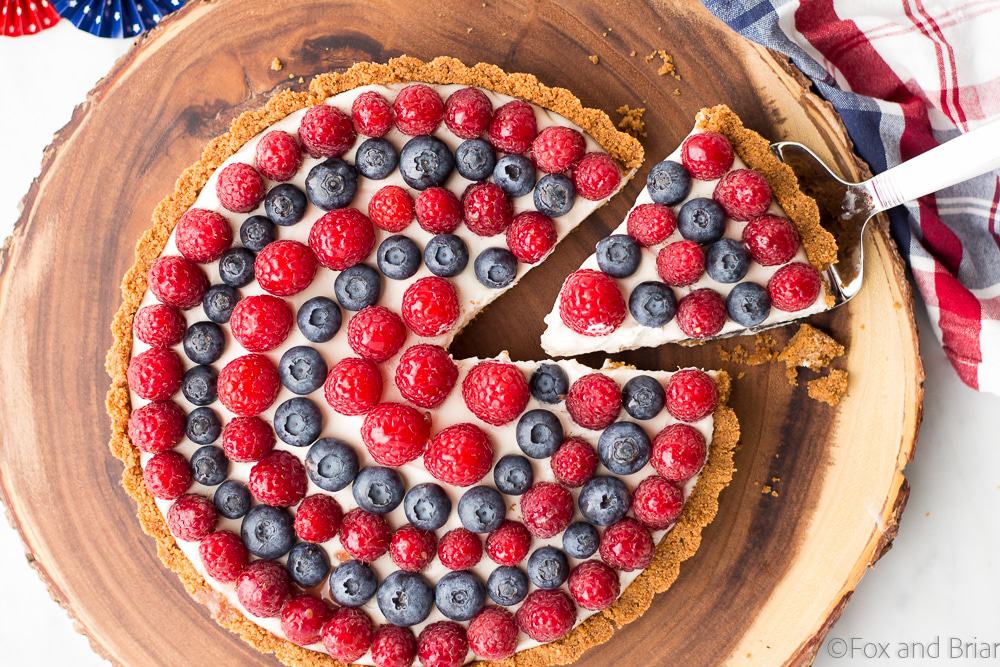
(772, 573)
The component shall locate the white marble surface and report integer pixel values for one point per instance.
(938, 581)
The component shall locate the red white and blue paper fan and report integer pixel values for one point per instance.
(116, 18)
(26, 17)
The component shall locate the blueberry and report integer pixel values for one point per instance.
(199, 385)
(302, 369)
(482, 509)
(548, 567)
(496, 267)
(376, 158)
(446, 255)
(352, 584)
(749, 304)
(267, 531)
(643, 397)
(209, 465)
(539, 433)
(460, 595)
(668, 183)
(701, 220)
(427, 506)
(604, 500)
(204, 342)
(515, 174)
(652, 303)
(513, 475)
(232, 499)
(507, 585)
(554, 195)
(405, 598)
(549, 383)
(331, 184)
(236, 267)
(580, 540)
(331, 464)
(298, 422)
(618, 255)
(308, 564)
(203, 426)
(727, 261)
(357, 287)
(319, 319)
(425, 162)
(285, 204)
(475, 159)
(219, 301)
(256, 232)
(398, 257)
(378, 490)
(623, 448)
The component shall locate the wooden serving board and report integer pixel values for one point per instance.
(773, 572)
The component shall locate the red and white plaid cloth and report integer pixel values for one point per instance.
(907, 75)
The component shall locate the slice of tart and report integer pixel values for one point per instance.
(720, 241)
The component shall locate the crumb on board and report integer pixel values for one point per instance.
(829, 389)
(765, 349)
(302, 79)
(468, 30)
(631, 120)
(276, 64)
(809, 348)
(594, 59)
(766, 489)
(677, 92)
(632, 53)
(666, 63)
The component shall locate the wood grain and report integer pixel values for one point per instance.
(772, 573)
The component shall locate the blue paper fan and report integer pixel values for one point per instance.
(116, 18)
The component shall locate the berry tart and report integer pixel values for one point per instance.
(313, 463)
(720, 241)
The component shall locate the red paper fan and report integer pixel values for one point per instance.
(26, 17)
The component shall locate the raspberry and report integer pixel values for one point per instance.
(627, 545)
(508, 544)
(412, 549)
(691, 395)
(679, 452)
(348, 634)
(167, 475)
(391, 208)
(574, 463)
(547, 509)
(513, 127)
(486, 209)
(701, 314)
(430, 306)
(371, 114)
(353, 387)
(155, 374)
(496, 392)
(493, 634)
(650, 224)
(468, 112)
(657, 503)
(342, 238)
(591, 304)
(248, 385)
(425, 375)
(156, 427)
(707, 155)
(594, 585)
(159, 325)
(442, 644)
(743, 194)
(771, 239)
(246, 439)
(395, 433)
(317, 518)
(680, 263)
(261, 322)
(531, 236)
(438, 211)
(326, 131)
(459, 549)
(223, 555)
(191, 518)
(594, 401)
(302, 619)
(461, 454)
(557, 148)
(278, 479)
(202, 236)
(596, 176)
(794, 287)
(239, 187)
(278, 155)
(394, 647)
(364, 535)
(376, 333)
(418, 110)
(177, 281)
(546, 615)
(284, 268)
